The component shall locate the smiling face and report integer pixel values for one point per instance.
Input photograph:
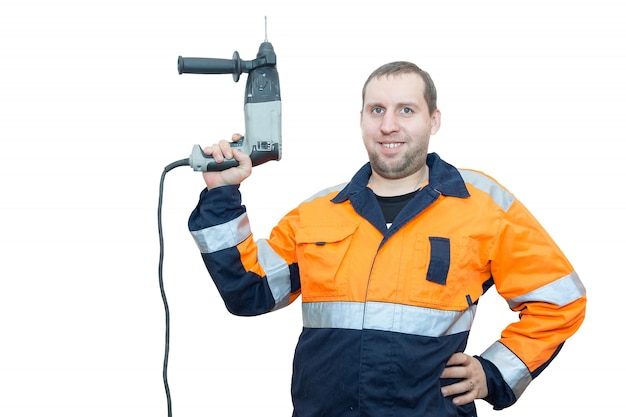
(396, 125)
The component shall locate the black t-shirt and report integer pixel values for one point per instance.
(393, 205)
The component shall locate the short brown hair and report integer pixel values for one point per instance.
(404, 67)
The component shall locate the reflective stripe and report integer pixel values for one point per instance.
(560, 292)
(277, 273)
(223, 236)
(500, 196)
(513, 370)
(417, 320)
(326, 191)
(387, 316)
(333, 315)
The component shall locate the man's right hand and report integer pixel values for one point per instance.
(231, 176)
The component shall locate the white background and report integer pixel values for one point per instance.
(93, 109)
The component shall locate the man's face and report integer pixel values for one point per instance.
(396, 125)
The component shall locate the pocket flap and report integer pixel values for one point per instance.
(320, 235)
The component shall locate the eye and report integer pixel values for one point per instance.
(377, 110)
(406, 110)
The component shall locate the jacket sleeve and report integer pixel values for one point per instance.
(251, 277)
(538, 282)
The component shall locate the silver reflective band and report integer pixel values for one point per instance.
(419, 321)
(333, 315)
(277, 273)
(398, 318)
(326, 191)
(560, 292)
(223, 236)
(513, 370)
(502, 197)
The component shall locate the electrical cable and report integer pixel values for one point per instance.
(179, 163)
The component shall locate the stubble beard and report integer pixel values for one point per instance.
(408, 164)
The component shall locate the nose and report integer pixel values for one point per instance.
(389, 123)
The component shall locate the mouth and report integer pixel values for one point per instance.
(390, 145)
(390, 148)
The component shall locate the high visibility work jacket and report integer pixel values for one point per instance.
(385, 308)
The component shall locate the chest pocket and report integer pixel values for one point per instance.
(324, 267)
(449, 272)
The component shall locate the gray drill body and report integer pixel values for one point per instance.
(262, 107)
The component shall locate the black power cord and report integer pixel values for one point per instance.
(179, 163)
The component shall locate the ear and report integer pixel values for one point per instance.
(435, 122)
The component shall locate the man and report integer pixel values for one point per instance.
(390, 267)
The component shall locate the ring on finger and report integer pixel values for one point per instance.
(471, 386)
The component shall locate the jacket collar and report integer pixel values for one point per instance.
(443, 177)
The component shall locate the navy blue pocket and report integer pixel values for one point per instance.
(439, 260)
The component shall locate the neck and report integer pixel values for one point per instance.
(386, 187)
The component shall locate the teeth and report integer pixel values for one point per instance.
(390, 145)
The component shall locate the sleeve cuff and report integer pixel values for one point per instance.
(500, 395)
(216, 206)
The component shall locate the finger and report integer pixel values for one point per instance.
(466, 398)
(226, 149)
(215, 151)
(469, 393)
(454, 372)
(236, 137)
(245, 163)
(457, 369)
(462, 387)
(458, 358)
(208, 150)
(240, 156)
